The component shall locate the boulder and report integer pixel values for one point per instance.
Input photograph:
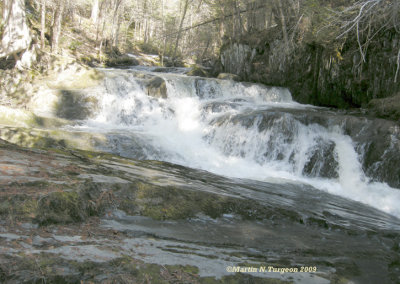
(198, 71)
(156, 87)
(228, 76)
(386, 107)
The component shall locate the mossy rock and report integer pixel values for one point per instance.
(176, 62)
(51, 138)
(166, 203)
(228, 76)
(198, 71)
(386, 107)
(23, 118)
(38, 268)
(75, 78)
(121, 61)
(89, 60)
(61, 207)
(15, 117)
(29, 138)
(156, 87)
(18, 207)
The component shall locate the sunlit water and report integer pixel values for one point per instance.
(225, 127)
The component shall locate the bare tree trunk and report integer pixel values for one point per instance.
(101, 39)
(100, 19)
(271, 16)
(283, 24)
(239, 18)
(204, 51)
(221, 31)
(140, 31)
(135, 31)
(180, 28)
(162, 17)
(130, 22)
(251, 16)
(146, 26)
(115, 23)
(95, 12)
(116, 33)
(56, 29)
(149, 29)
(163, 31)
(144, 22)
(43, 23)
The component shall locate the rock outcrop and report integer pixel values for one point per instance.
(324, 75)
(386, 107)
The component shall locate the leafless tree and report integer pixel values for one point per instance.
(368, 18)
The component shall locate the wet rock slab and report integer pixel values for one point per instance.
(69, 216)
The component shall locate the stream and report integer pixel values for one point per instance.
(314, 187)
(249, 131)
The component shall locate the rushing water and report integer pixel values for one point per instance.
(249, 131)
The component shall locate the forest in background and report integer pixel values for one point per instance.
(197, 29)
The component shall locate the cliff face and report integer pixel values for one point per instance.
(319, 74)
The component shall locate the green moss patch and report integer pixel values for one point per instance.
(51, 268)
(163, 203)
(50, 138)
(18, 207)
(119, 61)
(198, 71)
(61, 207)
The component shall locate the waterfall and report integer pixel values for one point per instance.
(248, 131)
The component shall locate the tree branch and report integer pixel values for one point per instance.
(212, 20)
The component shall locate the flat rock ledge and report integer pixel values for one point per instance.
(74, 216)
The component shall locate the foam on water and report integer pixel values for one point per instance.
(219, 126)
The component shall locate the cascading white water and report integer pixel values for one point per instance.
(237, 130)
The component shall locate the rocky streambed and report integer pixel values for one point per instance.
(70, 216)
(136, 176)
